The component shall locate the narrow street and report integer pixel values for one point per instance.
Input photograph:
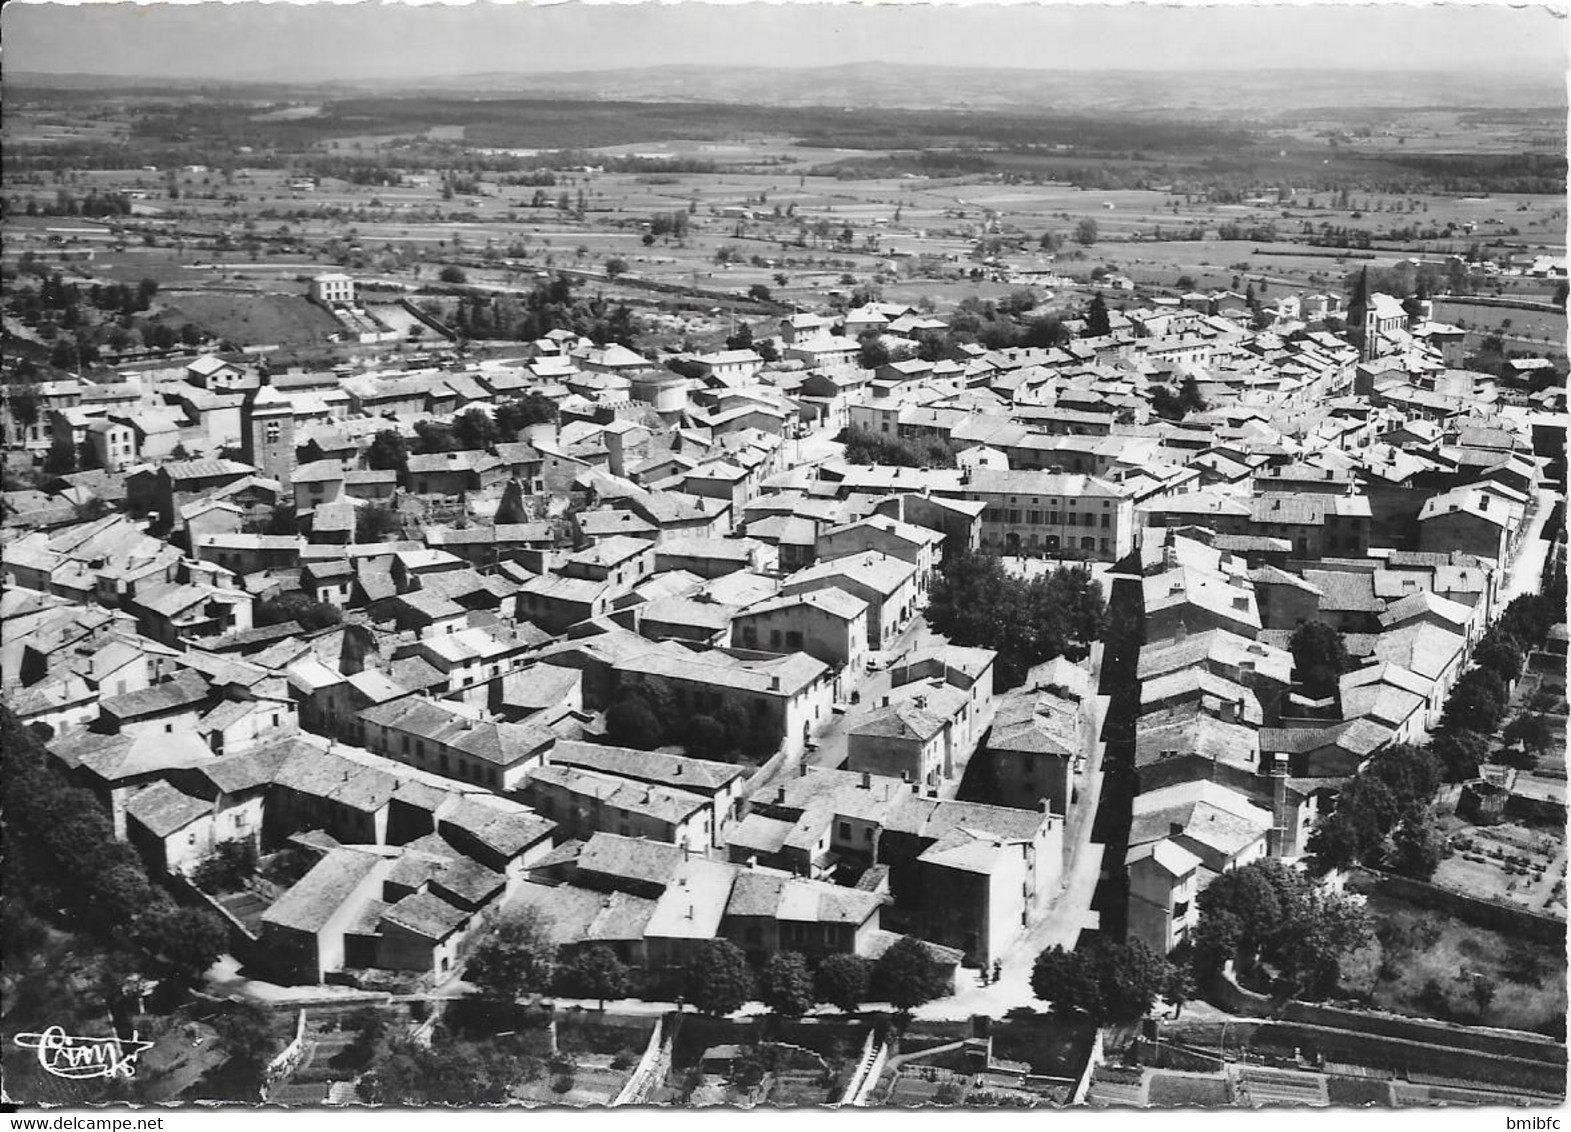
(1525, 570)
(1065, 917)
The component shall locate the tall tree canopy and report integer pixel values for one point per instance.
(974, 602)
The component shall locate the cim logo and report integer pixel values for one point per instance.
(83, 1058)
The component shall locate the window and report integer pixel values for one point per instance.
(1107, 520)
(1014, 515)
(1052, 518)
(272, 432)
(845, 831)
(1034, 518)
(1180, 909)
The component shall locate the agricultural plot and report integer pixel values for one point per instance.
(1426, 964)
(254, 319)
(1523, 865)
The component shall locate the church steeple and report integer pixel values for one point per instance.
(267, 430)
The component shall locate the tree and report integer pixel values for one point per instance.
(1189, 398)
(23, 400)
(786, 987)
(246, 1032)
(615, 266)
(228, 868)
(1532, 730)
(451, 274)
(718, 981)
(975, 603)
(842, 980)
(1413, 773)
(594, 972)
(632, 722)
(1086, 232)
(705, 733)
(1477, 701)
(1353, 833)
(389, 452)
(759, 293)
(1098, 323)
(61, 458)
(1499, 653)
(1460, 752)
(873, 353)
(298, 607)
(445, 1073)
(533, 408)
(517, 957)
(374, 522)
(1269, 912)
(187, 941)
(907, 976)
(1066, 980)
(474, 430)
(1417, 848)
(1319, 658)
(1106, 980)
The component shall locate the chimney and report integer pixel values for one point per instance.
(886, 702)
(921, 703)
(867, 780)
(690, 910)
(678, 771)
(687, 851)
(1229, 714)
(752, 862)
(780, 794)
(774, 683)
(1241, 601)
(916, 788)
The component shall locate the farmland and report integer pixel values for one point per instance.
(250, 193)
(1427, 964)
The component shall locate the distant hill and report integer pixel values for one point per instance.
(1190, 95)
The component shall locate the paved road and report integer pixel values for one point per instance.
(1525, 571)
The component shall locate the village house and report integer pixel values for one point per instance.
(887, 584)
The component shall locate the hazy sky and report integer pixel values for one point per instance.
(373, 40)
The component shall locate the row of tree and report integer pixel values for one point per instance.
(471, 431)
(519, 957)
(648, 714)
(975, 602)
(1384, 818)
(64, 868)
(1273, 921)
(1477, 704)
(864, 446)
